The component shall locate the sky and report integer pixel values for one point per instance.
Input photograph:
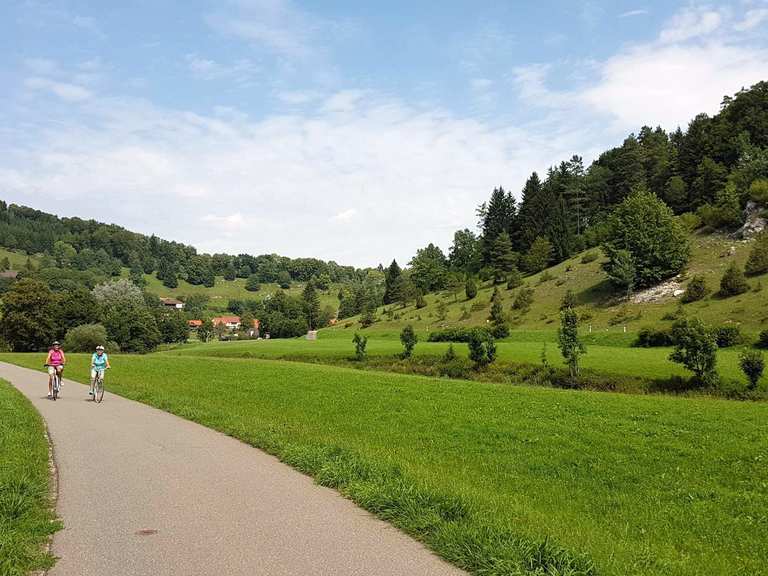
(343, 130)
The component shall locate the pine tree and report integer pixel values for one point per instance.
(498, 320)
(530, 224)
(503, 259)
(498, 216)
(392, 283)
(311, 303)
(570, 345)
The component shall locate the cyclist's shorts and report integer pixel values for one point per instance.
(52, 369)
(95, 371)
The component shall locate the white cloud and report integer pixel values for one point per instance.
(345, 215)
(41, 66)
(632, 13)
(64, 90)
(752, 19)
(242, 70)
(298, 97)
(226, 183)
(691, 23)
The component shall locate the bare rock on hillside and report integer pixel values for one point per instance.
(754, 223)
(670, 288)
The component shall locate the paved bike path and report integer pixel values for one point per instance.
(143, 492)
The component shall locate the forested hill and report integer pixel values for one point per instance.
(705, 174)
(87, 244)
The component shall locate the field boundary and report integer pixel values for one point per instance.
(53, 474)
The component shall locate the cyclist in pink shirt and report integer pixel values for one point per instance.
(55, 363)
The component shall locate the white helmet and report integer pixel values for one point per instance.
(99, 347)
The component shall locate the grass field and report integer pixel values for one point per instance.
(26, 519)
(498, 479)
(651, 363)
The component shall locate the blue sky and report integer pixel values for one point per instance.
(344, 130)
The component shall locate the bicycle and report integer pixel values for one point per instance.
(56, 383)
(98, 387)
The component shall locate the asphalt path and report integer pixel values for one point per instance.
(143, 492)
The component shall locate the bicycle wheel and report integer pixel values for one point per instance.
(98, 389)
(55, 386)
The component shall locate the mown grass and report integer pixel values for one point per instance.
(26, 517)
(497, 479)
(650, 363)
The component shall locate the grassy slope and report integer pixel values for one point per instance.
(26, 519)
(225, 290)
(594, 296)
(17, 259)
(641, 485)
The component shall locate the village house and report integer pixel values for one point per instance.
(233, 324)
(172, 303)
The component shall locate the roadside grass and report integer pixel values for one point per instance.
(650, 363)
(497, 479)
(26, 516)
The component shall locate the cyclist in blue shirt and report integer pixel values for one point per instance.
(99, 363)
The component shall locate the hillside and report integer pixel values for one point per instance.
(598, 304)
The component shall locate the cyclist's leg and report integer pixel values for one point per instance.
(93, 381)
(50, 380)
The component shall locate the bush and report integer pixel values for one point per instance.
(757, 263)
(514, 279)
(523, 300)
(252, 284)
(420, 301)
(762, 340)
(696, 290)
(85, 338)
(588, 257)
(482, 349)
(409, 339)
(733, 282)
(727, 336)
(545, 277)
(360, 343)
(470, 289)
(455, 334)
(690, 221)
(752, 364)
(696, 349)
(653, 338)
(758, 191)
(450, 354)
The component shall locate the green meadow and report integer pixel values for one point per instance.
(498, 479)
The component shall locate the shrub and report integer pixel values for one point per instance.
(727, 336)
(752, 364)
(733, 281)
(85, 338)
(545, 277)
(368, 316)
(588, 257)
(696, 290)
(470, 288)
(653, 338)
(757, 263)
(524, 299)
(482, 349)
(409, 339)
(762, 340)
(568, 339)
(514, 279)
(420, 301)
(360, 343)
(758, 191)
(455, 334)
(252, 284)
(450, 354)
(690, 221)
(695, 348)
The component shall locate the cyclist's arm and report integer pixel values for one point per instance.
(63, 358)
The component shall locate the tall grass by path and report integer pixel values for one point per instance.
(26, 516)
(497, 479)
